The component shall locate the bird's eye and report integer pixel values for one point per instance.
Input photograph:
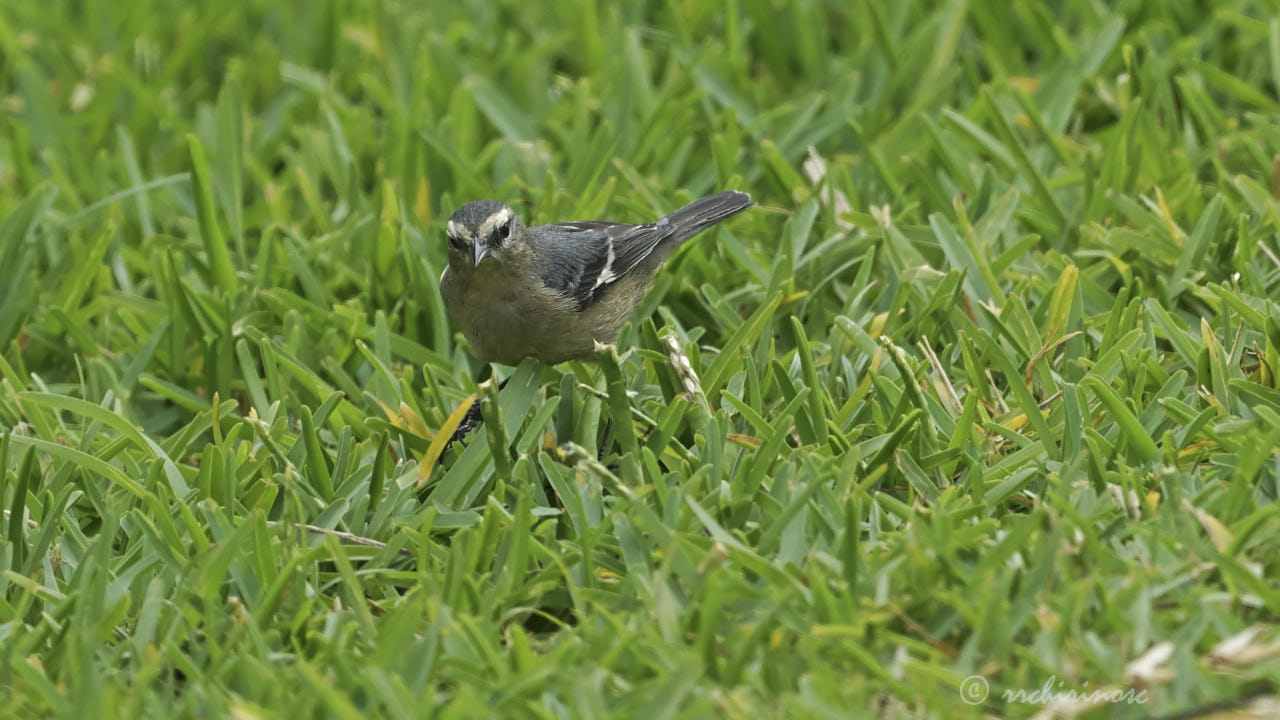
(504, 230)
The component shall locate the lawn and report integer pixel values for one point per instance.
(982, 398)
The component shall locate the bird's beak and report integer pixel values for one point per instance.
(481, 253)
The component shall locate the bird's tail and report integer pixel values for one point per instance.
(703, 213)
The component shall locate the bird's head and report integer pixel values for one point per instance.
(484, 231)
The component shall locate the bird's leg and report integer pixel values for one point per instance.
(608, 438)
(472, 419)
(470, 422)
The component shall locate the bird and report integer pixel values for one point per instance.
(551, 293)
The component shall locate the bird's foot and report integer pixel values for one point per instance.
(470, 422)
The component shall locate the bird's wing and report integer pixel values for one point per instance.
(584, 259)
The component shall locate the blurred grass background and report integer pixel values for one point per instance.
(987, 383)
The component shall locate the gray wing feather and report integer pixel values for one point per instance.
(583, 260)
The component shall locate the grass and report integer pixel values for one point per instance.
(994, 395)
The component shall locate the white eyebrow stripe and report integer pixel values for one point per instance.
(458, 230)
(494, 220)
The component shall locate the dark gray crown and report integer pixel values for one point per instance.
(474, 213)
